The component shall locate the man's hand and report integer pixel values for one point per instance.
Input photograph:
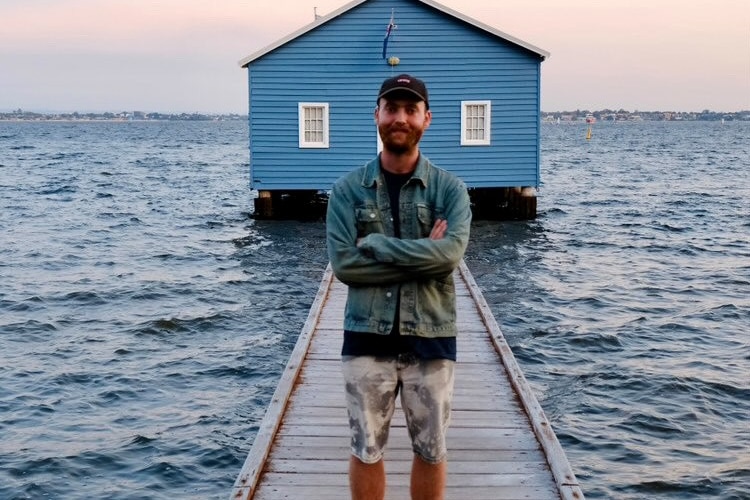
(439, 229)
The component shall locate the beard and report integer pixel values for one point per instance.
(399, 139)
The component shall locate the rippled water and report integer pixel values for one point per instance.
(145, 318)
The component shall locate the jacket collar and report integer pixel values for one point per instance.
(372, 172)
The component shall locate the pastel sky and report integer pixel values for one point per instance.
(182, 55)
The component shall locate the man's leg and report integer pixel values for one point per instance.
(370, 399)
(366, 481)
(428, 480)
(426, 398)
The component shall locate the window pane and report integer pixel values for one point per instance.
(314, 124)
(475, 122)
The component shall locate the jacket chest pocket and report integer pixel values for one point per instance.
(425, 219)
(369, 220)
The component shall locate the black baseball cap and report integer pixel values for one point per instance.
(406, 85)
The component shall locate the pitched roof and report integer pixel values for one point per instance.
(435, 5)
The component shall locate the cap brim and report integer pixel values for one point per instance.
(403, 90)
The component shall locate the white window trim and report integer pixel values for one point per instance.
(301, 118)
(487, 123)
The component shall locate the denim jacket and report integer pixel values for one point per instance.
(380, 266)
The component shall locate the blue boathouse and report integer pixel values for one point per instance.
(312, 98)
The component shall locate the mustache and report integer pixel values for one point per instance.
(399, 128)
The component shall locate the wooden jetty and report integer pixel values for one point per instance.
(500, 444)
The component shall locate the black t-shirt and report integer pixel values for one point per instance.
(373, 344)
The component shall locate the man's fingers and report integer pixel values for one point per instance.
(438, 229)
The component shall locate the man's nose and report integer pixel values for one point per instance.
(400, 115)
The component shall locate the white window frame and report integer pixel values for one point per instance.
(303, 141)
(465, 140)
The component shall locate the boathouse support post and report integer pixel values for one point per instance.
(523, 203)
(264, 205)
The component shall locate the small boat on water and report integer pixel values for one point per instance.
(590, 118)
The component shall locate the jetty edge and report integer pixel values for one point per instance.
(560, 468)
(500, 443)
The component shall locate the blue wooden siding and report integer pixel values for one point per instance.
(340, 63)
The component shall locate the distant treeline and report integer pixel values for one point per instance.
(623, 115)
(20, 114)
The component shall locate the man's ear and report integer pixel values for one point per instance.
(427, 118)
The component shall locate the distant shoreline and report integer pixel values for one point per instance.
(124, 117)
(576, 116)
(608, 115)
(102, 120)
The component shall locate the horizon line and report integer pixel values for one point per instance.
(225, 113)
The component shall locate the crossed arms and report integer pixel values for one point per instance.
(377, 259)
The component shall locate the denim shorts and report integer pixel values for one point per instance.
(372, 384)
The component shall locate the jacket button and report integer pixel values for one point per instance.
(372, 216)
(388, 294)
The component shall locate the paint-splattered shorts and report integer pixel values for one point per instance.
(372, 385)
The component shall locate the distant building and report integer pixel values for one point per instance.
(312, 97)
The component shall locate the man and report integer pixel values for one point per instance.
(396, 230)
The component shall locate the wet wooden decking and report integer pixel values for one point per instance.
(500, 444)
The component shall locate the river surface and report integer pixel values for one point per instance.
(145, 318)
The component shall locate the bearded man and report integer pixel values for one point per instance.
(396, 230)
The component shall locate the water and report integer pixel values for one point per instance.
(145, 318)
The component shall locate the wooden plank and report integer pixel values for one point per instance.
(400, 477)
(463, 435)
(318, 466)
(341, 453)
(321, 415)
(452, 492)
(527, 443)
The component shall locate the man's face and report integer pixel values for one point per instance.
(401, 123)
